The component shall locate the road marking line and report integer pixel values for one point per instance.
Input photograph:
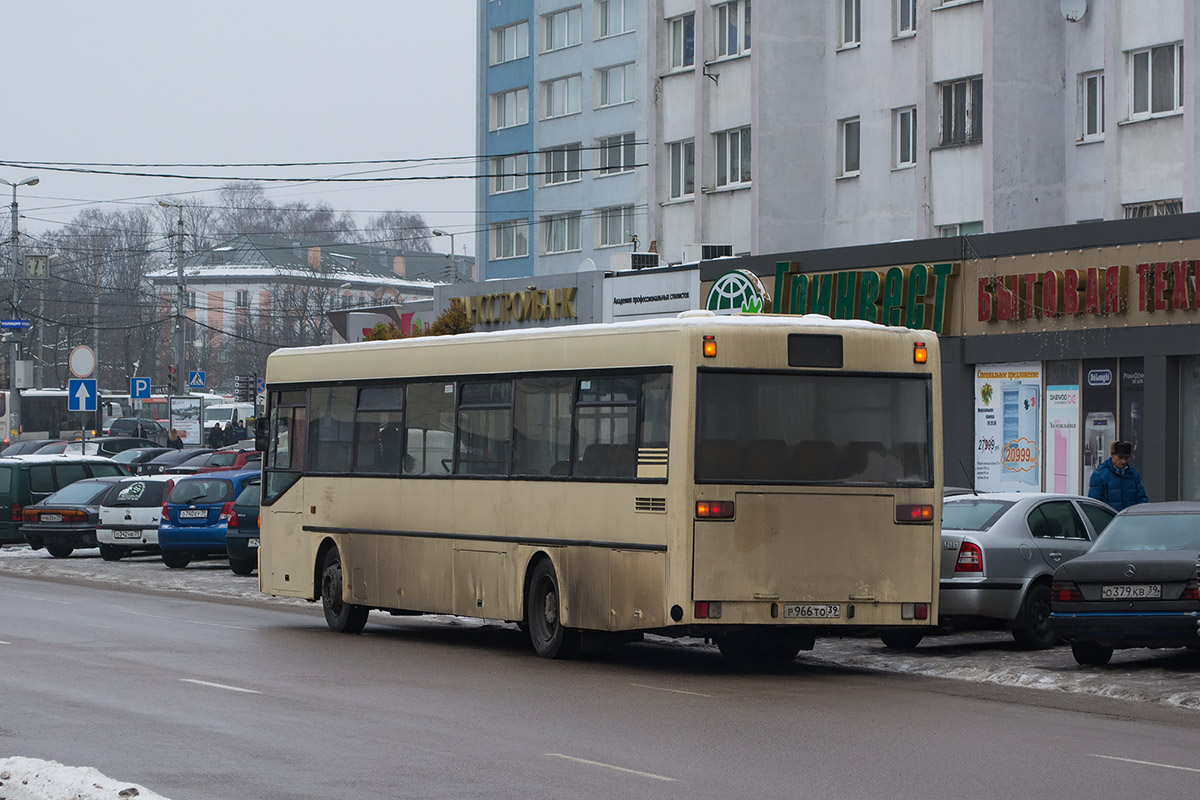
(220, 686)
(189, 621)
(610, 766)
(1144, 763)
(665, 689)
(39, 599)
(5, 642)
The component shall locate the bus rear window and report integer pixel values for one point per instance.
(813, 429)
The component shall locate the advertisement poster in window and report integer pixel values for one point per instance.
(1099, 412)
(1132, 401)
(1008, 423)
(1062, 439)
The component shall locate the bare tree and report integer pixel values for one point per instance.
(399, 229)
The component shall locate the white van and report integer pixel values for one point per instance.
(221, 413)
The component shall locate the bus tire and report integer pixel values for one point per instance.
(759, 648)
(902, 639)
(59, 550)
(110, 552)
(340, 616)
(550, 638)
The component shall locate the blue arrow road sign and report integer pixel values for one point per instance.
(139, 388)
(14, 323)
(81, 394)
(196, 379)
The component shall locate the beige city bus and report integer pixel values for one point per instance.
(755, 480)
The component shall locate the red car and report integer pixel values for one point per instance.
(231, 459)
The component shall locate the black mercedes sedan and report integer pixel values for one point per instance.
(1137, 586)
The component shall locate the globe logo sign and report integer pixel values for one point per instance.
(737, 290)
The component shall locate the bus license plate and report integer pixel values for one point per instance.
(252, 542)
(1131, 591)
(812, 611)
(50, 518)
(193, 513)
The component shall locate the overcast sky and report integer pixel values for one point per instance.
(155, 81)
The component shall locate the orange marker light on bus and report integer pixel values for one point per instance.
(920, 353)
(914, 513)
(714, 509)
(710, 347)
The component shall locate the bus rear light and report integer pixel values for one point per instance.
(708, 609)
(701, 609)
(920, 353)
(1065, 593)
(710, 347)
(714, 509)
(970, 558)
(911, 512)
(914, 611)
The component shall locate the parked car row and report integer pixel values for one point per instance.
(1050, 567)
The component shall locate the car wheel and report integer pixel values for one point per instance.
(341, 616)
(1033, 624)
(110, 552)
(176, 560)
(902, 639)
(550, 638)
(1090, 654)
(59, 550)
(241, 567)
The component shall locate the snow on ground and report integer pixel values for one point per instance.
(34, 779)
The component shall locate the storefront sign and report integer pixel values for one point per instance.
(654, 294)
(912, 297)
(1008, 424)
(531, 304)
(738, 290)
(1161, 286)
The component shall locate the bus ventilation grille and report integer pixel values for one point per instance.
(650, 505)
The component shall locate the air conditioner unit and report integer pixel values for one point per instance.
(705, 252)
(623, 261)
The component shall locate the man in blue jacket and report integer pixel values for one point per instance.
(1115, 482)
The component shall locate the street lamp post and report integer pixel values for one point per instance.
(453, 255)
(14, 346)
(180, 352)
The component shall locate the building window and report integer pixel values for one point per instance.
(616, 225)
(1156, 81)
(849, 30)
(682, 45)
(562, 232)
(733, 157)
(510, 108)
(189, 300)
(848, 146)
(510, 43)
(962, 111)
(1091, 94)
(683, 168)
(510, 173)
(905, 20)
(904, 137)
(731, 24)
(241, 298)
(615, 16)
(616, 153)
(562, 96)
(615, 85)
(960, 229)
(509, 239)
(562, 29)
(1158, 208)
(561, 164)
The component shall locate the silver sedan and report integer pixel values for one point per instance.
(999, 552)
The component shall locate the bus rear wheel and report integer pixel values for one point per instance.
(550, 638)
(340, 616)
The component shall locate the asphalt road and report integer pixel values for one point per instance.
(201, 699)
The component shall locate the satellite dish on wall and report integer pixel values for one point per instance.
(1072, 10)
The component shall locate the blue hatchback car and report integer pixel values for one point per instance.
(196, 514)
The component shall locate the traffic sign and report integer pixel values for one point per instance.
(20, 324)
(82, 362)
(262, 385)
(139, 388)
(197, 378)
(81, 394)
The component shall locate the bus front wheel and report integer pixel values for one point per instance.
(341, 616)
(550, 638)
